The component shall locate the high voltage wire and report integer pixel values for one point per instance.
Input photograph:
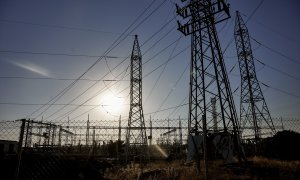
(56, 54)
(99, 80)
(112, 46)
(280, 90)
(164, 67)
(169, 21)
(39, 104)
(278, 70)
(166, 109)
(57, 26)
(255, 10)
(160, 51)
(159, 30)
(172, 89)
(165, 35)
(249, 17)
(277, 32)
(276, 52)
(69, 112)
(247, 20)
(81, 94)
(57, 79)
(130, 32)
(176, 110)
(161, 110)
(143, 77)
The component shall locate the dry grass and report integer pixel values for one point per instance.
(171, 170)
(259, 168)
(291, 166)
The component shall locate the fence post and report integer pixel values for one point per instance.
(19, 153)
(205, 147)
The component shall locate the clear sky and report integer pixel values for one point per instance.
(46, 45)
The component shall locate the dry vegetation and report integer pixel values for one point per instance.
(257, 168)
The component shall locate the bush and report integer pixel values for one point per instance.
(284, 145)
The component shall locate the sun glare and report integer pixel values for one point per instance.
(112, 104)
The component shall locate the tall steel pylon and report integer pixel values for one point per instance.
(208, 76)
(254, 112)
(136, 139)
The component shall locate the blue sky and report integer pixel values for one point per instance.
(47, 44)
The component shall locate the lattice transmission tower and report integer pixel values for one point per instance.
(208, 76)
(254, 112)
(136, 139)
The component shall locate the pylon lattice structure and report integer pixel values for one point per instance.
(254, 112)
(208, 76)
(136, 139)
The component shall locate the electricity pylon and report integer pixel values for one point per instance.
(254, 112)
(208, 76)
(136, 139)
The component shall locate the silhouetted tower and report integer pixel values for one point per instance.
(136, 139)
(214, 114)
(28, 137)
(208, 76)
(254, 113)
(87, 136)
(180, 132)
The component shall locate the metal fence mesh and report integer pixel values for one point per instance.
(55, 150)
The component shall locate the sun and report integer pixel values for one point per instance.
(112, 104)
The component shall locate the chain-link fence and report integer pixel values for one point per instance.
(55, 150)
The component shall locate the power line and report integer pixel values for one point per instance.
(150, 59)
(58, 26)
(176, 110)
(147, 61)
(39, 104)
(165, 35)
(58, 79)
(112, 46)
(249, 17)
(124, 38)
(127, 75)
(278, 70)
(67, 54)
(161, 110)
(157, 53)
(57, 54)
(172, 89)
(277, 32)
(276, 52)
(164, 68)
(167, 60)
(280, 90)
(255, 10)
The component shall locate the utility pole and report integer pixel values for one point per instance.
(254, 112)
(136, 138)
(208, 75)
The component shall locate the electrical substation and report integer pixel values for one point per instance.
(215, 130)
